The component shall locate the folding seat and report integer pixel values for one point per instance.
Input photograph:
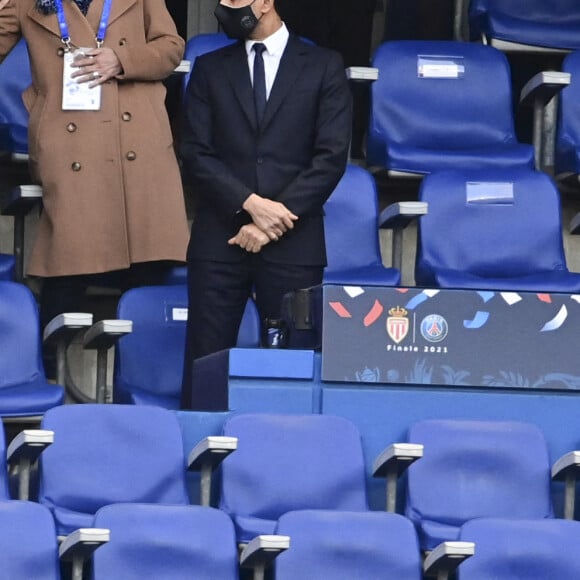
(104, 454)
(29, 546)
(475, 469)
(24, 390)
(351, 222)
(172, 542)
(516, 549)
(440, 105)
(149, 361)
(526, 25)
(290, 462)
(492, 230)
(346, 545)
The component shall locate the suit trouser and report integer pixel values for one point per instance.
(218, 292)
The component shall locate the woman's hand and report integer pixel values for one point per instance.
(97, 66)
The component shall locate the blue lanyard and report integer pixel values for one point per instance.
(103, 23)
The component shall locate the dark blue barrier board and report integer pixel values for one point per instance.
(461, 338)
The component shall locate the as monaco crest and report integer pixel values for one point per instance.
(397, 324)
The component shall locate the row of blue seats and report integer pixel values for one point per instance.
(178, 542)
(286, 469)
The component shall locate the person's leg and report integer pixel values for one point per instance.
(273, 281)
(218, 293)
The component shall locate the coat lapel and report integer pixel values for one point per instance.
(119, 8)
(291, 64)
(238, 74)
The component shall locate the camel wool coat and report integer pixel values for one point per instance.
(112, 190)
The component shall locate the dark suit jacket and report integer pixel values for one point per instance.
(296, 155)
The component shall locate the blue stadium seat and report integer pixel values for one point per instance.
(347, 545)
(475, 469)
(513, 550)
(149, 361)
(535, 24)
(442, 105)
(201, 44)
(105, 454)
(567, 154)
(493, 230)
(172, 542)
(15, 77)
(290, 462)
(24, 391)
(7, 265)
(351, 221)
(28, 542)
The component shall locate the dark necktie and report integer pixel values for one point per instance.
(259, 80)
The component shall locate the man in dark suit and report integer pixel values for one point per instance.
(265, 142)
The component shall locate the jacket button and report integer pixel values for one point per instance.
(122, 42)
(126, 116)
(60, 52)
(131, 156)
(76, 166)
(71, 127)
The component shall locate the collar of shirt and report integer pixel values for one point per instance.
(275, 46)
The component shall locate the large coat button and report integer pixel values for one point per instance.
(76, 166)
(122, 42)
(60, 52)
(71, 127)
(126, 116)
(131, 156)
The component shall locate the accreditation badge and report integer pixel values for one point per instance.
(78, 96)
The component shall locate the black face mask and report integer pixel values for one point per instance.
(236, 22)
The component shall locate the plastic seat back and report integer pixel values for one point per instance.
(474, 469)
(568, 134)
(346, 545)
(15, 77)
(201, 44)
(104, 454)
(149, 361)
(23, 387)
(535, 23)
(290, 462)
(177, 542)
(351, 233)
(496, 230)
(440, 105)
(516, 549)
(28, 542)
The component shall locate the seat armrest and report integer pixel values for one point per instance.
(391, 463)
(184, 67)
(544, 86)
(566, 469)
(24, 450)
(211, 451)
(20, 200)
(65, 326)
(79, 546)
(445, 558)
(262, 550)
(367, 74)
(29, 444)
(104, 334)
(205, 457)
(401, 214)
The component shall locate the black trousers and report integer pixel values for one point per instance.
(218, 293)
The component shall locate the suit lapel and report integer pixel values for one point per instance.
(291, 64)
(238, 74)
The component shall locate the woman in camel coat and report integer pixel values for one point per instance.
(112, 190)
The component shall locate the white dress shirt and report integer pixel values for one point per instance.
(275, 46)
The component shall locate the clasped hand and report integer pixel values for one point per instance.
(97, 66)
(270, 221)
